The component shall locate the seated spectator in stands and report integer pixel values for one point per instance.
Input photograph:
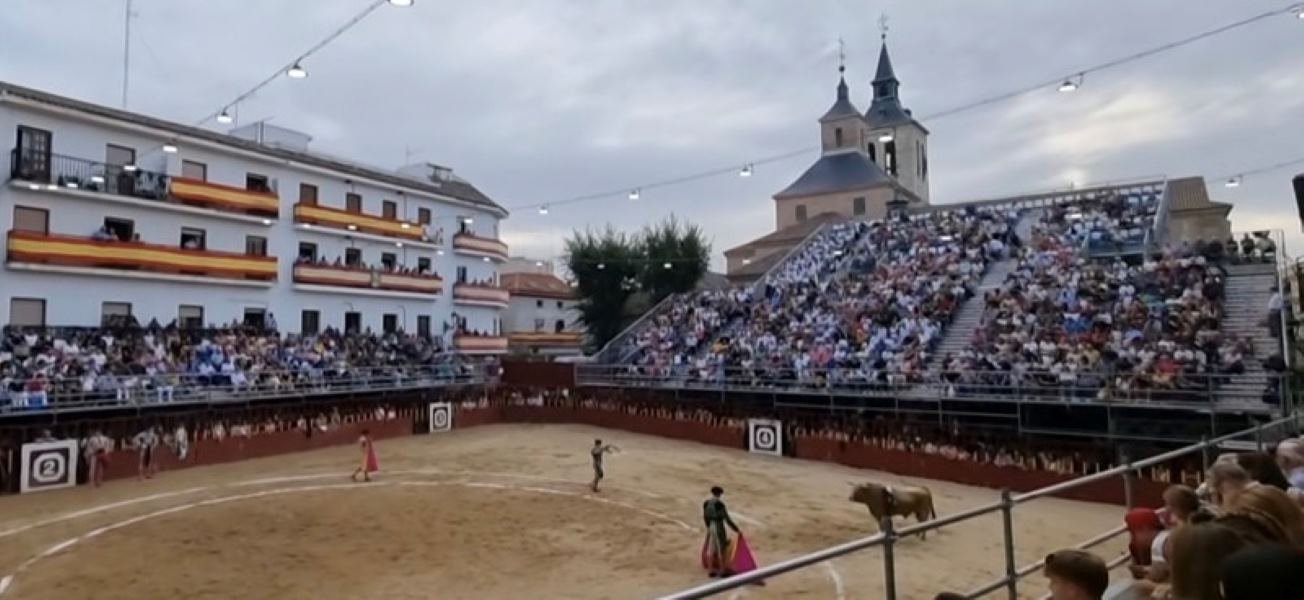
(1278, 518)
(1076, 575)
(1290, 458)
(1264, 573)
(1182, 507)
(1197, 557)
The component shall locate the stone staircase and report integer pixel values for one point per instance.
(960, 331)
(1245, 306)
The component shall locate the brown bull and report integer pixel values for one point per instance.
(887, 502)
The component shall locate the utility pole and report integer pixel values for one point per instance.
(126, 50)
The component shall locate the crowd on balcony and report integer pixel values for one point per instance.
(1106, 328)
(360, 265)
(160, 364)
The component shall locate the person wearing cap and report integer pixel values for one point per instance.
(1076, 575)
(1145, 528)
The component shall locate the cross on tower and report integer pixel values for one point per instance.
(842, 55)
(882, 26)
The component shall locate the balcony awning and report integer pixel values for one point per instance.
(35, 247)
(480, 246)
(341, 219)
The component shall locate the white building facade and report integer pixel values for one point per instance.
(543, 318)
(109, 213)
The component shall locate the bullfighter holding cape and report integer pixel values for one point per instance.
(721, 556)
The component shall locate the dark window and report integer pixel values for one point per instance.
(193, 239)
(461, 274)
(310, 322)
(890, 157)
(872, 151)
(389, 323)
(837, 137)
(255, 317)
(353, 202)
(463, 226)
(123, 229)
(307, 251)
(115, 314)
(36, 220)
(423, 265)
(559, 326)
(353, 257)
(255, 245)
(923, 161)
(559, 304)
(194, 170)
(27, 312)
(33, 154)
(858, 206)
(538, 324)
(423, 216)
(423, 325)
(257, 183)
(388, 260)
(190, 316)
(389, 209)
(307, 194)
(352, 322)
(119, 155)
(801, 212)
(538, 303)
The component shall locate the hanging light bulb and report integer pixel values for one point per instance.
(170, 148)
(297, 71)
(224, 116)
(402, 3)
(602, 266)
(747, 171)
(538, 263)
(1299, 11)
(885, 137)
(543, 210)
(1072, 83)
(666, 265)
(1233, 182)
(635, 193)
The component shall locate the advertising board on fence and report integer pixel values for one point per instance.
(765, 436)
(441, 417)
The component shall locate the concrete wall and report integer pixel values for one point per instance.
(842, 203)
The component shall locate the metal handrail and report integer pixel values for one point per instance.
(191, 388)
(889, 535)
(984, 386)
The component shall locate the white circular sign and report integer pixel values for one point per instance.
(49, 467)
(440, 418)
(764, 438)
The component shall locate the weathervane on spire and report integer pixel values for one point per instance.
(882, 26)
(842, 55)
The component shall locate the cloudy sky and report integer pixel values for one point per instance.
(537, 101)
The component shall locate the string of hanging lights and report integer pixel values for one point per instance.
(1234, 180)
(1064, 84)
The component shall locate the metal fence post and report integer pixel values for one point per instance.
(1258, 436)
(1127, 482)
(1011, 569)
(1204, 455)
(889, 562)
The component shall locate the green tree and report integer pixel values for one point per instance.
(618, 277)
(675, 258)
(605, 266)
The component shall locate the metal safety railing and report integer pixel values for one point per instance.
(143, 391)
(1013, 573)
(1180, 391)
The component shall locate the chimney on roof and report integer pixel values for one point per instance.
(431, 172)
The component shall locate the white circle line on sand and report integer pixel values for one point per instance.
(838, 587)
(98, 509)
(7, 581)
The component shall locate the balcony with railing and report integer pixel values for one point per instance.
(56, 172)
(36, 250)
(367, 278)
(474, 343)
(546, 338)
(479, 294)
(334, 218)
(474, 245)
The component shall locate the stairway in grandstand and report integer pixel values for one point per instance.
(1245, 311)
(960, 331)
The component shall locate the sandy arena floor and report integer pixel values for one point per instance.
(492, 512)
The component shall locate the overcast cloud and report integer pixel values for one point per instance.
(535, 101)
